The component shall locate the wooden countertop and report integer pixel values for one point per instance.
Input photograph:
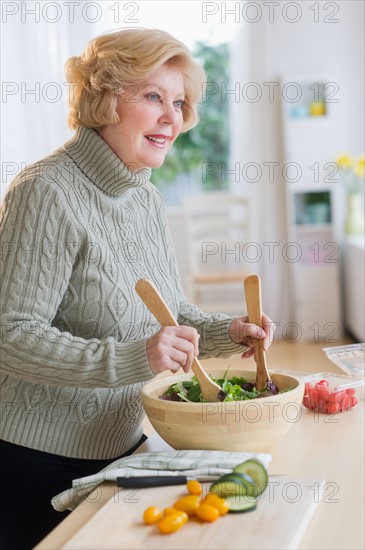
(317, 446)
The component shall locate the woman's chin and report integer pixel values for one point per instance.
(155, 160)
(155, 164)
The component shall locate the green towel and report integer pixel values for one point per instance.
(200, 465)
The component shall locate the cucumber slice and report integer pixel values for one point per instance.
(234, 484)
(257, 472)
(246, 480)
(241, 503)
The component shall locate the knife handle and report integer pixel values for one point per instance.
(150, 481)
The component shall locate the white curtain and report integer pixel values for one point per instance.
(34, 89)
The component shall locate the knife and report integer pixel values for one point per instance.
(140, 482)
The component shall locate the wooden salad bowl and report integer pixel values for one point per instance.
(251, 425)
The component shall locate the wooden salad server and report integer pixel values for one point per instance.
(149, 294)
(252, 285)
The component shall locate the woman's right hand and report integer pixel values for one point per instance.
(173, 348)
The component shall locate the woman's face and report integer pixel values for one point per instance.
(151, 118)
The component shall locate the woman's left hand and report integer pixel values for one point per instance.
(243, 332)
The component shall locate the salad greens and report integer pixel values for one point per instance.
(235, 389)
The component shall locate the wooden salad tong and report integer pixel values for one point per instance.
(252, 285)
(149, 294)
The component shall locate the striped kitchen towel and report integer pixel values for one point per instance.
(200, 465)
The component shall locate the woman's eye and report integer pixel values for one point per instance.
(179, 103)
(153, 97)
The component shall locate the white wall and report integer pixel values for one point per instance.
(265, 52)
(34, 90)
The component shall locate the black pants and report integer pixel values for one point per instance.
(28, 481)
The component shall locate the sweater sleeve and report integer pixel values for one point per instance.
(38, 250)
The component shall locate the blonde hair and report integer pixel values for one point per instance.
(121, 58)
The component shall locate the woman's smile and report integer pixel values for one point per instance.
(158, 140)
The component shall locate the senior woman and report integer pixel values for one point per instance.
(79, 228)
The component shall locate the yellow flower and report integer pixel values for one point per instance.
(359, 167)
(344, 161)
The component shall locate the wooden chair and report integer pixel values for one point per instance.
(217, 228)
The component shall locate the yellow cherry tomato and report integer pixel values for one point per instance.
(214, 500)
(169, 511)
(206, 512)
(170, 523)
(188, 504)
(152, 515)
(194, 487)
(193, 498)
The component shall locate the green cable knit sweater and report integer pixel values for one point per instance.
(78, 229)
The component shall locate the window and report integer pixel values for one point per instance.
(194, 164)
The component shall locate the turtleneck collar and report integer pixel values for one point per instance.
(97, 160)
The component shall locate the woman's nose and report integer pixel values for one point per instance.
(169, 114)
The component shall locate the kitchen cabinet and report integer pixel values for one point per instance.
(354, 277)
(310, 177)
(317, 309)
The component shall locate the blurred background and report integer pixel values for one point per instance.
(281, 134)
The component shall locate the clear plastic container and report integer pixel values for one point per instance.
(330, 393)
(351, 359)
